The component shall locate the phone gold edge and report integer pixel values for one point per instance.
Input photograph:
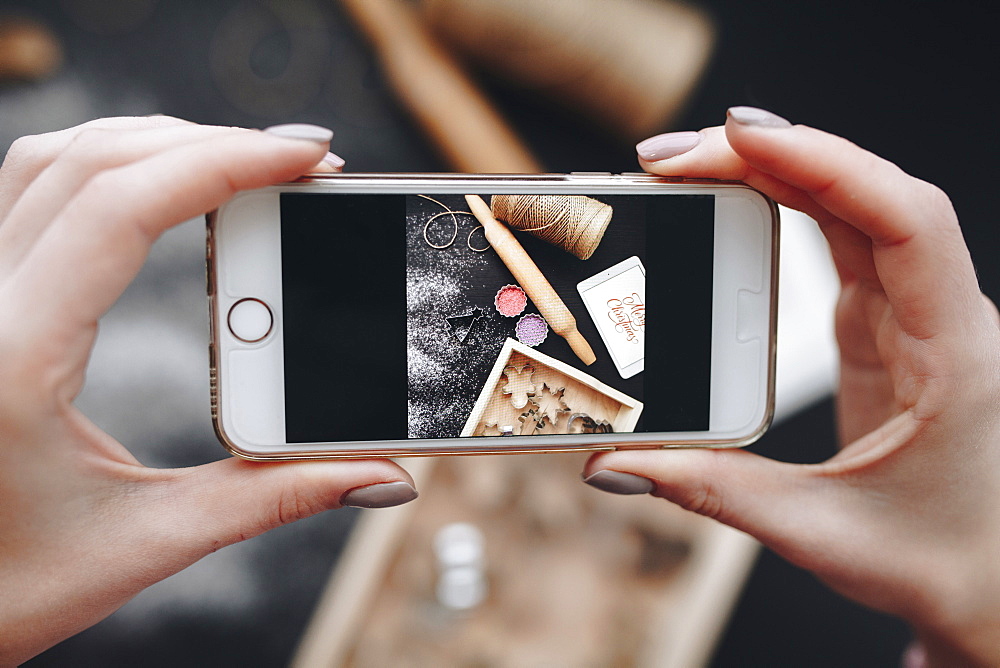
(297, 455)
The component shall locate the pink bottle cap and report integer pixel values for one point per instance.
(510, 300)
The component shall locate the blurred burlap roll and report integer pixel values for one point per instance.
(575, 223)
(630, 64)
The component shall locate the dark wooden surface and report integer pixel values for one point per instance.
(469, 279)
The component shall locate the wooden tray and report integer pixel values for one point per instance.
(581, 393)
(576, 577)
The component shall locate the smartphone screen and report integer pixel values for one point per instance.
(396, 311)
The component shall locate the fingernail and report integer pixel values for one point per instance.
(334, 160)
(379, 495)
(304, 131)
(617, 482)
(667, 145)
(757, 117)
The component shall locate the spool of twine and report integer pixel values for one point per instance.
(630, 64)
(575, 223)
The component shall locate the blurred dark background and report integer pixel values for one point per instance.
(913, 82)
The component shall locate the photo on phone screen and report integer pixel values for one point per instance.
(401, 321)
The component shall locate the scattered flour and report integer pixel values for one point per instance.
(445, 375)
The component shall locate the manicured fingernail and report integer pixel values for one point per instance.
(304, 131)
(379, 495)
(617, 482)
(757, 117)
(667, 145)
(334, 160)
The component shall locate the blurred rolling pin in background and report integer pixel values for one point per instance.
(530, 277)
(459, 119)
(629, 64)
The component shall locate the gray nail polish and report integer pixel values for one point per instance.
(304, 131)
(334, 160)
(667, 145)
(757, 117)
(617, 482)
(379, 495)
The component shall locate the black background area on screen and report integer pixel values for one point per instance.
(344, 315)
(343, 264)
(680, 239)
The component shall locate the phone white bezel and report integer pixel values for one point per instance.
(249, 415)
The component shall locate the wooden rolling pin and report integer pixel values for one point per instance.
(467, 129)
(531, 279)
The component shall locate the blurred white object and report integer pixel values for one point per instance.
(459, 544)
(461, 588)
(461, 581)
(807, 295)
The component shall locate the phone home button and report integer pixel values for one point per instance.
(250, 320)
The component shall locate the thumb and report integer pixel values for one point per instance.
(785, 506)
(228, 501)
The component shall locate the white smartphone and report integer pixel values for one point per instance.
(360, 315)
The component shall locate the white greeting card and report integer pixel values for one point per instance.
(616, 300)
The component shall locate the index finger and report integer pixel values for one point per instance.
(917, 247)
(100, 239)
(29, 156)
(886, 226)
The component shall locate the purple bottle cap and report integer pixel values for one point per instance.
(531, 329)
